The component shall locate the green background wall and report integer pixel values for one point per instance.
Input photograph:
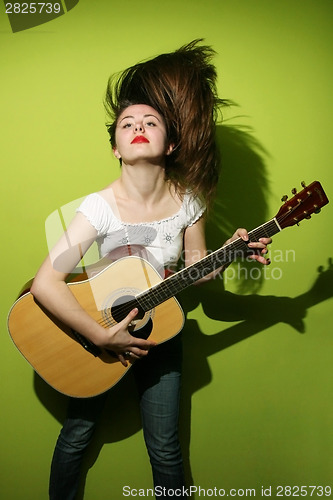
(257, 404)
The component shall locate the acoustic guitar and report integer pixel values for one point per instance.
(76, 367)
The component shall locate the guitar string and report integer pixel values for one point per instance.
(273, 226)
(169, 287)
(211, 259)
(172, 286)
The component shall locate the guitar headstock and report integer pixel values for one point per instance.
(302, 205)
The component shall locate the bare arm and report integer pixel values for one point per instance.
(50, 289)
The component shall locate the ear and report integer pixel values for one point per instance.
(116, 153)
(169, 150)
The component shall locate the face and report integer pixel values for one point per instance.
(141, 136)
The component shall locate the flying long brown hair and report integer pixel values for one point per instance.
(181, 86)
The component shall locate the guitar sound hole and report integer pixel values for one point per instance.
(122, 306)
(142, 325)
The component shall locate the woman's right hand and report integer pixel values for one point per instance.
(120, 341)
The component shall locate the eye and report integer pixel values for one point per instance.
(127, 125)
(151, 124)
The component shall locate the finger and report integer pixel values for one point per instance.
(130, 356)
(239, 233)
(141, 344)
(137, 352)
(257, 245)
(266, 241)
(242, 233)
(140, 348)
(260, 259)
(122, 359)
(261, 243)
(130, 316)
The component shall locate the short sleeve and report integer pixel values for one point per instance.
(193, 209)
(99, 214)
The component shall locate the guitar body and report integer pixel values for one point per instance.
(53, 349)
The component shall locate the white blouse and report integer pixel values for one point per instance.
(160, 242)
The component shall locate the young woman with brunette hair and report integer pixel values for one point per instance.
(162, 129)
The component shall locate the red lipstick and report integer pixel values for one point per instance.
(139, 139)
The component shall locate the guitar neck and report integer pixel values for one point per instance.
(182, 279)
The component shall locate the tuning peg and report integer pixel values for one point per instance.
(303, 184)
(294, 191)
(317, 211)
(284, 198)
(308, 217)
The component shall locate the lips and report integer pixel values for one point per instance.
(139, 139)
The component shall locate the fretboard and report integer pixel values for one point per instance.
(188, 275)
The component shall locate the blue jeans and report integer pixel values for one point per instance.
(158, 380)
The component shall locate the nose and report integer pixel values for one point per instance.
(139, 127)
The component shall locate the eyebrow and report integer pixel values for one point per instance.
(144, 116)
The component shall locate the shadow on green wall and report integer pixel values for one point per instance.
(255, 314)
(241, 201)
(242, 192)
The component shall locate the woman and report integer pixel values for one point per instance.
(162, 130)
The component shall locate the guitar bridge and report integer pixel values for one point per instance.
(86, 344)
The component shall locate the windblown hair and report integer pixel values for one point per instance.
(181, 86)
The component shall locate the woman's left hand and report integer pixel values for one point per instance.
(259, 247)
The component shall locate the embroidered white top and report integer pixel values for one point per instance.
(160, 242)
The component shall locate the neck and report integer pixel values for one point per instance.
(143, 182)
